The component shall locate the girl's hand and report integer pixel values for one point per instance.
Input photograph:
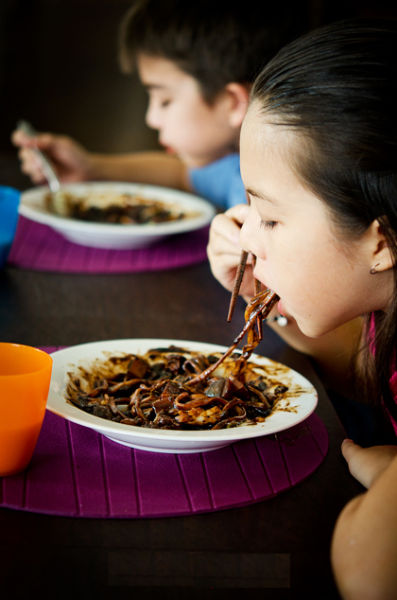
(70, 160)
(224, 250)
(367, 464)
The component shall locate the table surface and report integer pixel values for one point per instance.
(274, 549)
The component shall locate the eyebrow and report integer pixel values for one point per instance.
(259, 195)
(152, 86)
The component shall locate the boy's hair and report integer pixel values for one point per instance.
(336, 87)
(216, 42)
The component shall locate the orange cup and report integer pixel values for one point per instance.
(25, 374)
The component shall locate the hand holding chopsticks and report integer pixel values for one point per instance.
(237, 283)
(239, 279)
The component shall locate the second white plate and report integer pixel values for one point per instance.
(107, 235)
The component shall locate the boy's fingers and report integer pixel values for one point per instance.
(30, 158)
(41, 140)
(45, 141)
(19, 138)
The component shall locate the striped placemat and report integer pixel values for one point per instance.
(40, 248)
(78, 472)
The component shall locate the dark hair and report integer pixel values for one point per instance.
(338, 87)
(216, 42)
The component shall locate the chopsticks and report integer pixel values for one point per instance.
(237, 284)
(239, 279)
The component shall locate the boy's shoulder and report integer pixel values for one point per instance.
(220, 181)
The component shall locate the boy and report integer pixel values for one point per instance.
(197, 62)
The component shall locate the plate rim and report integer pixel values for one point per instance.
(26, 209)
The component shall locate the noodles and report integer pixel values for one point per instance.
(112, 207)
(154, 390)
(176, 388)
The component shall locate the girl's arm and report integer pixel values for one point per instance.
(364, 546)
(334, 354)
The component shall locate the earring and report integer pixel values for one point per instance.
(373, 270)
(280, 320)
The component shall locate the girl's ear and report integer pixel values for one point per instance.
(238, 98)
(381, 254)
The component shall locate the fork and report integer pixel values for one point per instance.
(49, 173)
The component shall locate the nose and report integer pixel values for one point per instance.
(250, 234)
(152, 116)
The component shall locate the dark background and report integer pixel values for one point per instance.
(59, 70)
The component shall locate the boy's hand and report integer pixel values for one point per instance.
(224, 250)
(70, 160)
(367, 464)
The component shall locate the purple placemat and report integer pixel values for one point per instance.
(80, 473)
(39, 247)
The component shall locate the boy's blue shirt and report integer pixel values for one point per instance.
(220, 182)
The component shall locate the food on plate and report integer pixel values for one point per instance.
(257, 310)
(113, 207)
(178, 388)
(154, 390)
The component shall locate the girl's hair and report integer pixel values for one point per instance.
(216, 42)
(338, 87)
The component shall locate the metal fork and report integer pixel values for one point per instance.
(49, 173)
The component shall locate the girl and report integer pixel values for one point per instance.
(319, 163)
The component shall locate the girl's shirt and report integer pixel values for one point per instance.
(393, 377)
(393, 388)
(220, 182)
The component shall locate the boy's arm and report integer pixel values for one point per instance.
(73, 162)
(155, 168)
(364, 546)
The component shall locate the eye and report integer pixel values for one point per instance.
(268, 224)
(165, 103)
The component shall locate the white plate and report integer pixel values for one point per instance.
(108, 235)
(300, 401)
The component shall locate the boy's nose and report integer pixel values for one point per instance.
(152, 117)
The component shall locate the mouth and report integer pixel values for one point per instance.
(168, 149)
(280, 306)
(281, 309)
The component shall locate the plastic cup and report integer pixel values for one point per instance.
(25, 374)
(9, 203)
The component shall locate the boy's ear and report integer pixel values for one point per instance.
(381, 254)
(238, 96)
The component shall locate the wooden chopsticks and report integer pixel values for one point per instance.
(239, 279)
(237, 284)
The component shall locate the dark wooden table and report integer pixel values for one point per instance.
(275, 549)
